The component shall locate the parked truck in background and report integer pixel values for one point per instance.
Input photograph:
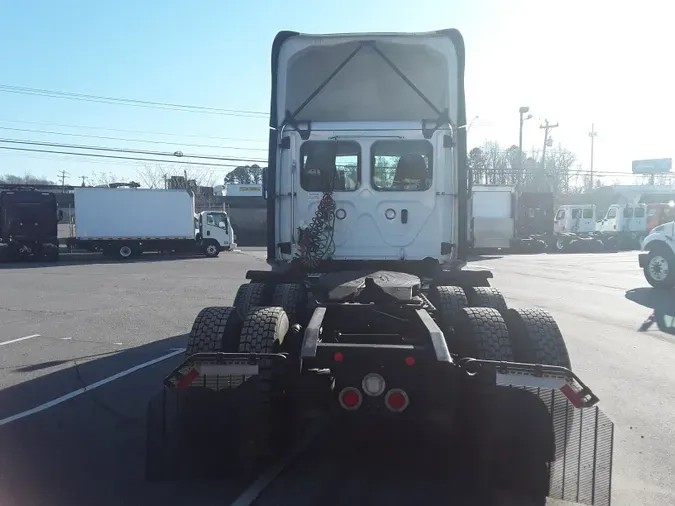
(492, 217)
(505, 219)
(658, 257)
(126, 222)
(28, 225)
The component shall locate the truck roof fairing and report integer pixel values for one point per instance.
(374, 77)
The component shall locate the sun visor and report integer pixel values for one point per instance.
(370, 78)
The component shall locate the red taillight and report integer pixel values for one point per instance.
(410, 361)
(396, 400)
(338, 356)
(188, 379)
(350, 398)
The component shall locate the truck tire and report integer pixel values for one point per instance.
(486, 297)
(503, 426)
(537, 339)
(251, 294)
(292, 297)
(50, 254)
(263, 331)
(125, 251)
(449, 300)
(659, 270)
(211, 249)
(482, 333)
(215, 329)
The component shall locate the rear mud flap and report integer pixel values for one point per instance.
(583, 439)
(202, 424)
(538, 431)
(197, 434)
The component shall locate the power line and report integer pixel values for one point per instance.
(126, 139)
(21, 90)
(129, 151)
(146, 132)
(137, 159)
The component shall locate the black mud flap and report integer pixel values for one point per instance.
(549, 440)
(199, 425)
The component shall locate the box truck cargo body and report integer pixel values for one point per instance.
(126, 222)
(493, 222)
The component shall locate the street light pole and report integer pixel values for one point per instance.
(592, 134)
(523, 110)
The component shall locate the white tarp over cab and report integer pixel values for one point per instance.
(375, 80)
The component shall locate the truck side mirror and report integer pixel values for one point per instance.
(264, 182)
(221, 224)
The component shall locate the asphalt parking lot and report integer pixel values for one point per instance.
(84, 345)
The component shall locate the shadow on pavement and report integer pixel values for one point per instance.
(90, 449)
(97, 258)
(663, 304)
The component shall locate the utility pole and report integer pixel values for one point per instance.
(592, 134)
(84, 178)
(547, 127)
(523, 110)
(62, 175)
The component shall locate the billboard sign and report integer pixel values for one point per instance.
(243, 190)
(657, 166)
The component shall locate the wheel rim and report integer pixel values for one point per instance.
(211, 249)
(125, 251)
(658, 268)
(559, 244)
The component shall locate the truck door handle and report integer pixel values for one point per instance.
(208, 232)
(404, 216)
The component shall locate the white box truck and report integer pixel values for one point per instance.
(493, 216)
(127, 222)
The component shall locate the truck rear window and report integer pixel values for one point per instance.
(330, 164)
(402, 165)
(588, 214)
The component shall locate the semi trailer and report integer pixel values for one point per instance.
(124, 223)
(368, 313)
(28, 225)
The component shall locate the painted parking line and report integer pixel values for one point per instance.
(248, 496)
(105, 381)
(19, 339)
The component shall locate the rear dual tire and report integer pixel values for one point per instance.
(510, 431)
(262, 419)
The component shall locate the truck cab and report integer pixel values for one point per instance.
(575, 219)
(215, 225)
(28, 225)
(658, 257)
(659, 213)
(631, 218)
(366, 166)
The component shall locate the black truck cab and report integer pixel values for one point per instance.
(28, 225)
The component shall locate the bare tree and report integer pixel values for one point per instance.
(495, 163)
(559, 169)
(156, 176)
(25, 179)
(103, 178)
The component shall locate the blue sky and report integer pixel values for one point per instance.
(572, 61)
